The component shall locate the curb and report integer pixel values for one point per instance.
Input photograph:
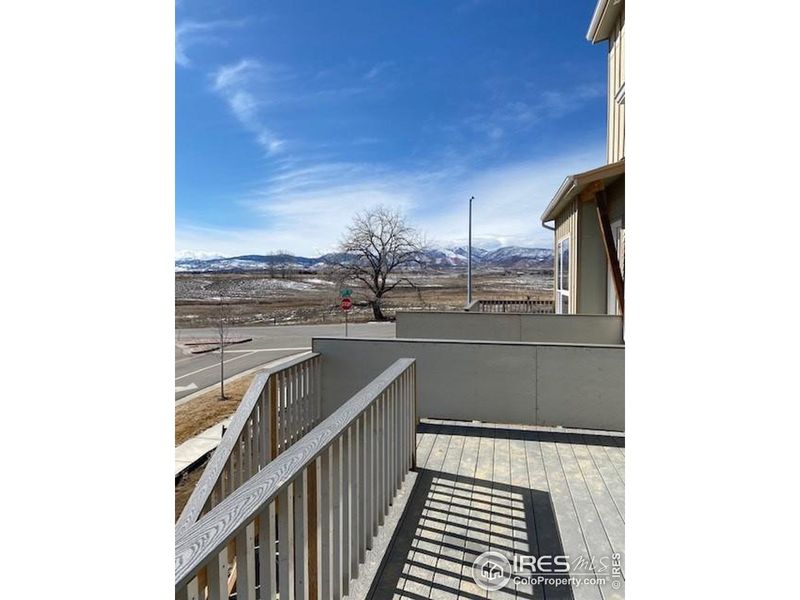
(232, 378)
(213, 348)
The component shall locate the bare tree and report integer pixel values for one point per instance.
(284, 263)
(378, 246)
(222, 324)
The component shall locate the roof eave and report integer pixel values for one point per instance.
(561, 195)
(574, 184)
(605, 15)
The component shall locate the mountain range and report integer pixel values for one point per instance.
(507, 257)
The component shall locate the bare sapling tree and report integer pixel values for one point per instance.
(284, 263)
(222, 325)
(378, 247)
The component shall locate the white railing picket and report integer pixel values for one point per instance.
(246, 564)
(267, 538)
(285, 543)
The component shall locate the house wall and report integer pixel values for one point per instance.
(616, 78)
(592, 263)
(571, 385)
(590, 329)
(615, 196)
(566, 223)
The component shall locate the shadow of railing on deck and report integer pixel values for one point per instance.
(612, 439)
(449, 521)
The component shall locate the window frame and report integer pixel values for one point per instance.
(561, 292)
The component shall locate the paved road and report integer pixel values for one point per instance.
(198, 371)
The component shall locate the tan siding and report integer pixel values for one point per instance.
(616, 77)
(567, 224)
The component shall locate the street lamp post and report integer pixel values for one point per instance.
(469, 255)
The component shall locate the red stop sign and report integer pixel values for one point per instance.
(347, 304)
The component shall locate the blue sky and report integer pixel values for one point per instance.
(291, 116)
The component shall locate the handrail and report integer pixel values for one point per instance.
(371, 437)
(258, 431)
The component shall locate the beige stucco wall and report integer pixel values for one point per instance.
(545, 384)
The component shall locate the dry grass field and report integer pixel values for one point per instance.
(197, 415)
(257, 298)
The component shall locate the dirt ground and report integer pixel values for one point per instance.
(257, 298)
(185, 487)
(195, 416)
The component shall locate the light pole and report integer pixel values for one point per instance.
(469, 255)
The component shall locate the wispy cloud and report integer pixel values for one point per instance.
(307, 209)
(378, 69)
(514, 116)
(237, 84)
(190, 33)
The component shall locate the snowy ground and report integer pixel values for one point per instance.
(259, 299)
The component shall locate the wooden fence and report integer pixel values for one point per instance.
(280, 406)
(512, 306)
(301, 526)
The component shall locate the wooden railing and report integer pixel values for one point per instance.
(511, 306)
(300, 528)
(280, 406)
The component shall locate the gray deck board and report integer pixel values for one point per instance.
(447, 566)
(618, 460)
(613, 521)
(516, 490)
(503, 501)
(569, 526)
(594, 534)
(615, 485)
(418, 571)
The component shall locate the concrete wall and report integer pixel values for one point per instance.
(588, 329)
(510, 382)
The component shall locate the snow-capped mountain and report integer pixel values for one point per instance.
(509, 257)
(196, 255)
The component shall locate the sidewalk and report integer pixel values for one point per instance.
(194, 450)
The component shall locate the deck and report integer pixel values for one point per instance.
(512, 489)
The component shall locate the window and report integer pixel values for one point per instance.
(562, 286)
(612, 306)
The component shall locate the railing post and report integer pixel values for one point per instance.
(336, 518)
(380, 474)
(301, 535)
(355, 515)
(325, 526)
(414, 419)
(245, 564)
(346, 527)
(375, 445)
(217, 577)
(273, 417)
(313, 531)
(266, 553)
(285, 544)
(363, 528)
